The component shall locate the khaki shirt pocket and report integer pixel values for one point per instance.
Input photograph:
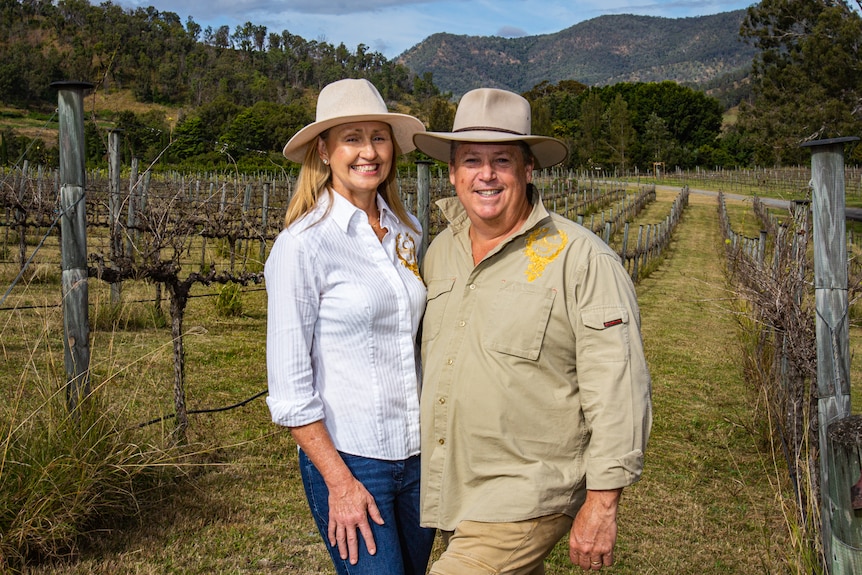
(606, 337)
(518, 320)
(435, 307)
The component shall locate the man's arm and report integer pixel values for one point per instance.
(594, 531)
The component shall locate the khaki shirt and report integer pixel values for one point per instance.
(535, 383)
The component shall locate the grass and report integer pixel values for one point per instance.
(64, 476)
(44, 125)
(706, 505)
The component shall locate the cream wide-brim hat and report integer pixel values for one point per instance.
(489, 115)
(348, 101)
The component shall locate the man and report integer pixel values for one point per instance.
(535, 408)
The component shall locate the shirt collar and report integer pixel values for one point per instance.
(455, 213)
(344, 213)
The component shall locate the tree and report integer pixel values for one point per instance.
(542, 122)
(656, 138)
(144, 136)
(807, 78)
(221, 38)
(423, 86)
(193, 28)
(589, 136)
(190, 139)
(608, 123)
(621, 134)
(440, 113)
(211, 75)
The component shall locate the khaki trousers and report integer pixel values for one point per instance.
(519, 548)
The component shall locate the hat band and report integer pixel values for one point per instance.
(488, 129)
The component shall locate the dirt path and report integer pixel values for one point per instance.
(704, 505)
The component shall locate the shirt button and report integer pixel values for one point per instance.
(442, 400)
(449, 362)
(441, 441)
(462, 323)
(472, 286)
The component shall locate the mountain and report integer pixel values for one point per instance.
(600, 51)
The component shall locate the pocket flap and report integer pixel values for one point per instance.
(438, 287)
(605, 317)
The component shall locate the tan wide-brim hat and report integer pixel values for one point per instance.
(348, 101)
(489, 115)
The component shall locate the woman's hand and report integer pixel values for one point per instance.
(350, 506)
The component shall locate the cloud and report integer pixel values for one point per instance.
(673, 8)
(380, 45)
(511, 32)
(392, 26)
(339, 7)
(242, 10)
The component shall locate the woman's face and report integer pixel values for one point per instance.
(359, 154)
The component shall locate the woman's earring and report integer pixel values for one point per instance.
(325, 162)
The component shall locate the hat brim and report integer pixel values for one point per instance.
(404, 127)
(546, 150)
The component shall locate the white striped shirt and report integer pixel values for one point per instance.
(343, 313)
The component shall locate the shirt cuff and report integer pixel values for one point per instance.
(288, 414)
(614, 473)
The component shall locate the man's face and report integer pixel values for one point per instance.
(491, 182)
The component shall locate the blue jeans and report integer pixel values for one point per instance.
(403, 547)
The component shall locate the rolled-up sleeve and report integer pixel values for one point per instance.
(613, 377)
(293, 296)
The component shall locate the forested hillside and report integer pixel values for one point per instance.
(601, 51)
(232, 98)
(238, 94)
(619, 90)
(163, 60)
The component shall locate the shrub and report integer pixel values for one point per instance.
(126, 316)
(229, 300)
(41, 273)
(64, 475)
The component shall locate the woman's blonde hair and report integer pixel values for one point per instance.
(316, 177)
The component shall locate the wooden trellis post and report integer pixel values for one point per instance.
(832, 329)
(423, 205)
(73, 232)
(131, 215)
(263, 221)
(845, 494)
(114, 203)
(21, 215)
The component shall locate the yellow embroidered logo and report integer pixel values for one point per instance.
(543, 248)
(405, 245)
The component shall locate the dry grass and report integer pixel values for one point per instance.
(706, 504)
(100, 101)
(97, 102)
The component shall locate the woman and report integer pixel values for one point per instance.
(345, 300)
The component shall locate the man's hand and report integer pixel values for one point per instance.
(594, 531)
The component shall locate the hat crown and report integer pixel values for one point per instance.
(494, 110)
(492, 116)
(347, 98)
(352, 100)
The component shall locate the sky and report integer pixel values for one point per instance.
(394, 26)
